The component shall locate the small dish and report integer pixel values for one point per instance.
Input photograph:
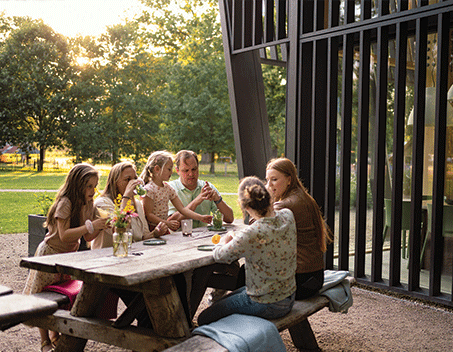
(212, 228)
(154, 242)
(206, 247)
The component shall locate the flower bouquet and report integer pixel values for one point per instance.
(120, 220)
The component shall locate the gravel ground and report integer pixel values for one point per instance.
(375, 322)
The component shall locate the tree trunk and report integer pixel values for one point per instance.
(212, 168)
(42, 152)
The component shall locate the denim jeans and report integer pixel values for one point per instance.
(239, 302)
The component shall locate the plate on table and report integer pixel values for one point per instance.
(212, 228)
(206, 247)
(154, 242)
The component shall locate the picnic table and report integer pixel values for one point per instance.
(148, 269)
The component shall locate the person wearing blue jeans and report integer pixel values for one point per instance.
(269, 249)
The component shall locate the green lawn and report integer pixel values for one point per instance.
(15, 206)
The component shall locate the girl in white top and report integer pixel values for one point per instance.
(122, 180)
(156, 174)
(269, 249)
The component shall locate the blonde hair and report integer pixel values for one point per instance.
(111, 188)
(253, 194)
(159, 158)
(74, 189)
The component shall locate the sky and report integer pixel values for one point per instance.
(72, 17)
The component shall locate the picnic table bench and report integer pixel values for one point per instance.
(16, 308)
(296, 322)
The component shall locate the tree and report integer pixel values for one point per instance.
(35, 76)
(116, 92)
(195, 103)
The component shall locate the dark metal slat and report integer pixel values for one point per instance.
(257, 22)
(281, 19)
(379, 150)
(319, 113)
(398, 154)
(362, 154)
(345, 164)
(418, 132)
(332, 95)
(305, 106)
(443, 34)
(269, 30)
(293, 81)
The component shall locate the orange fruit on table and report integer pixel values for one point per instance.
(215, 239)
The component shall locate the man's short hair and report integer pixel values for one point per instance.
(184, 155)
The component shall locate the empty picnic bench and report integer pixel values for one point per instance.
(16, 308)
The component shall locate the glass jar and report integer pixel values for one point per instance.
(120, 242)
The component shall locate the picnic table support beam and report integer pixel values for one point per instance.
(166, 310)
(303, 336)
(88, 293)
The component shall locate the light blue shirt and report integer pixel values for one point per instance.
(205, 208)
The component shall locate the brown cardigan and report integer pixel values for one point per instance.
(309, 229)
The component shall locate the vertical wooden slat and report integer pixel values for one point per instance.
(439, 153)
(398, 154)
(379, 164)
(421, 36)
(362, 153)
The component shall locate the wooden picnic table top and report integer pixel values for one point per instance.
(144, 262)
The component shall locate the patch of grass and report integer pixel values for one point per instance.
(15, 207)
(37, 180)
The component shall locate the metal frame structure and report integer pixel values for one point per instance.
(323, 44)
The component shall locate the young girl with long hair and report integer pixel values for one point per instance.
(155, 175)
(313, 235)
(269, 248)
(69, 219)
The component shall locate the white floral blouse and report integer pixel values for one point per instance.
(269, 248)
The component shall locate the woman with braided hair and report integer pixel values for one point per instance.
(269, 249)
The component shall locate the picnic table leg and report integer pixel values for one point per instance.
(86, 305)
(166, 310)
(303, 337)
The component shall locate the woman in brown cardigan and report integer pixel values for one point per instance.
(312, 231)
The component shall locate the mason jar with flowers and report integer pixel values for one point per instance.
(120, 220)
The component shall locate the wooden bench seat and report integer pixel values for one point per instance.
(15, 308)
(296, 321)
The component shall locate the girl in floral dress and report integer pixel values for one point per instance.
(69, 219)
(269, 249)
(156, 174)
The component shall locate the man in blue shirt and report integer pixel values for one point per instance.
(200, 196)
